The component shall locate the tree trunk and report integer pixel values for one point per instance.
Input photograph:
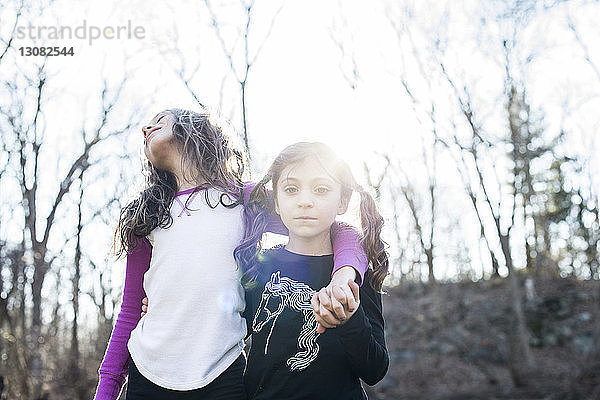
(520, 360)
(74, 356)
(495, 265)
(429, 254)
(244, 121)
(596, 352)
(79, 389)
(36, 338)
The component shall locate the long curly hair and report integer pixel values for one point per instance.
(215, 160)
(261, 204)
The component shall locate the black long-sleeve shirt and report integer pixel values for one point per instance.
(288, 359)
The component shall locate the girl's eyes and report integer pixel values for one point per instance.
(317, 190)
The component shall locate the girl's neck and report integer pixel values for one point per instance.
(314, 246)
(183, 178)
(181, 186)
(184, 184)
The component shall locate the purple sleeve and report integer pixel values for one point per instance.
(347, 250)
(113, 370)
(248, 187)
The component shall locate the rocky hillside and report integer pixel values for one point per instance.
(450, 341)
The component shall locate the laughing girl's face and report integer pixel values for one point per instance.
(159, 145)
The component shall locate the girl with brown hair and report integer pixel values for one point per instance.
(289, 358)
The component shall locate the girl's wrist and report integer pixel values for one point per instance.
(341, 275)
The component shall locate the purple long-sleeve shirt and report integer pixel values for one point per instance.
(113, 371)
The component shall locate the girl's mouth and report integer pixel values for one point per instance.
(150, 132)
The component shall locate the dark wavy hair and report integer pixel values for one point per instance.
(215, 161)
(261, 204)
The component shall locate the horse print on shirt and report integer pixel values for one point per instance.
(282, 292)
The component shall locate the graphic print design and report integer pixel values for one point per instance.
(282, 292)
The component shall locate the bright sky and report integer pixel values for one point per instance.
(297, 89)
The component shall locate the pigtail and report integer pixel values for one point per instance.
(372, 224)
(256, 215)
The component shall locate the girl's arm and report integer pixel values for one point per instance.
(113, 370)
(363, 338)
(347, 251)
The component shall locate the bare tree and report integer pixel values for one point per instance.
(584, 47)
(241, 74)
(423, 216)
(589, 206)
(341, 35)
(481, 182)
(6, 43)
(25, 135)
(521, 363)
(74, 367)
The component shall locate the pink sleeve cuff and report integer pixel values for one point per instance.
(109, 387)
(351, 258)
(113, 370)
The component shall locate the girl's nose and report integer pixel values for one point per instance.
(305, 201)
(146, 129)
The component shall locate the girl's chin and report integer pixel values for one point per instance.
(307, 233)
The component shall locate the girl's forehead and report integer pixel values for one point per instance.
(307, 169)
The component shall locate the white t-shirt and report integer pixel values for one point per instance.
(193, 330)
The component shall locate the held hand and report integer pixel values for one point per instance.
(337, 300)
(324, 317)
(335, 304)
(144, 306)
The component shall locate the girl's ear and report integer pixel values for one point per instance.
(276, 205)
